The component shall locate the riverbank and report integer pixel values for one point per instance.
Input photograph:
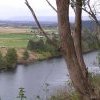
(39, 57)
(33, 56)
(45, 56)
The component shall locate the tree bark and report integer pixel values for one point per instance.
(80, 83)
(77, 37)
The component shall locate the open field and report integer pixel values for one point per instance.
(11, 37)
(13, 30)
(8, 30)
(13, 43)
(18, 37)
(14, 37)
(14, 40)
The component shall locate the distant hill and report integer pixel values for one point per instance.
(30, 18)
(14, 23)
(88, 24)
(40, 18)
(26, 24)
(43, 18)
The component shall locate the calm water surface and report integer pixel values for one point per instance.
(33, 77)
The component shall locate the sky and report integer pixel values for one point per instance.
(17, 8)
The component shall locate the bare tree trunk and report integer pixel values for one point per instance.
(69, 52)
(77, 37)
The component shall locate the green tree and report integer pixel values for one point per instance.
(25, 55)
(11, 58)
(2, 61)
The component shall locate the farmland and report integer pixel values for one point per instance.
(14, 37)
(8, 29)
(18, 38)
(14, 40)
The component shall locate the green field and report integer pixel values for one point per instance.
(17, 37)
(14, 40)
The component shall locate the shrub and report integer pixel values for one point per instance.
(39, 46)
(25, 55)
(89, 40)
(2, 61)
(65, 96)
(11, 58)
(36, 45)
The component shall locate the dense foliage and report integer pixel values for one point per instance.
(9, 60)
(2, 61)
(25, 55)
(41, 46)
(89, 40)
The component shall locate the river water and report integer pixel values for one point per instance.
(34, 77)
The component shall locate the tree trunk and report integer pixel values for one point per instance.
(80, 83)
(97, 35)
(77, 37)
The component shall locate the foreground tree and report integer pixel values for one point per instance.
(71, 47)
(77, 34)
(75, 69)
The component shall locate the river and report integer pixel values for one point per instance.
(35, 76)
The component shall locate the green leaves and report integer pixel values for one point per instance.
(11, 58)
(25, 55)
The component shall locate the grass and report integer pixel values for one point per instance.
(64, 95)
(18, 37)
(14, 40)
(9, 29)
(13, 43)
(15, 36)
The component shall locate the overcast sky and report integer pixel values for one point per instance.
(14, 8)
(17, 8)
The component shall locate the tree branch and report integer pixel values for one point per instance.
(38, 24)
(90, 12)
(51, 6)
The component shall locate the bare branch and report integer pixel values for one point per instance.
(90, 11)
(56, 9)
(73, 7)
(51, 6)
(38, 24)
